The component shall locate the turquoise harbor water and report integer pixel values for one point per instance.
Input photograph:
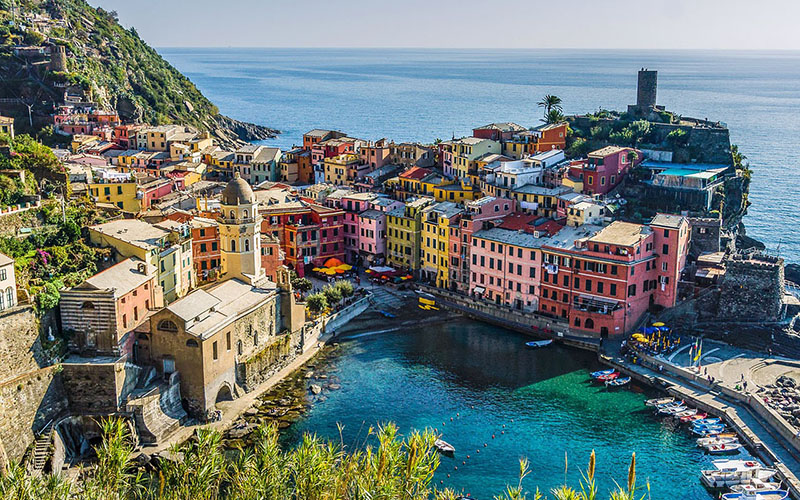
(422, 377)
(426, 94)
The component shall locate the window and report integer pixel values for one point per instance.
(664, 266)
(3, 275)
(612, 289)
(166, 325)
(666, 233)
(631, 290)
(228, 341)
(215, 351)
(577, 322)
(533, 272)
(192, 343)
(600, 286)
(87, 305)
(233, 245)
(247, 245)
(588, 285)
(665, 249)
(577, 282)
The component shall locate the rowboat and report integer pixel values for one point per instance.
(671, 410)
(669, 405)
(618, 382)
(718, 439)
(610, 376)
(692, 418)
(685, 413)
(758, 495)
(601, 373)
(708, 431)
(723, 448)
(727, 473)
(659, 401)
(444, 447)
(538, 343)
(706, 421)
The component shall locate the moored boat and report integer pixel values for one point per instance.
(609, 376)
(618, 382)
(536, 344)
(659, 401)
(601, 373)
(706, 421)
(718, 439)
(757, 495)
(692, 418)
(723, 448)
(708, 431)
(444, 447)
(727, 473)
(671, 410)
(685, 413)
(754, 485)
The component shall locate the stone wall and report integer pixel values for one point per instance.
(706, 234)
(158, 412)
(99, 387)
(752, 289)
(27, 404)
(31, 393)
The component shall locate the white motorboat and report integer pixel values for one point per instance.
(757, 495)
(723, 448)
(707, 441)
(727, 473)
(672, 410)
(685, 413)
(754, 485)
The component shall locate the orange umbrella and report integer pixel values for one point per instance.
(333, 262)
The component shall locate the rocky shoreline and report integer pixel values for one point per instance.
(232, 133)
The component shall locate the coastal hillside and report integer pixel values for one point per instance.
(57, 50)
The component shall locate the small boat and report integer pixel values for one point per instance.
(669, 405)
(685, 413)
(610, 376)
(659, 401)
(754, 485)
(538, 343)
(618, 382)
(444, 447)
(692, 418)
(601, 373)
(727, 473)
(706, 421)
(757, 495)
(723, 448)
(718, 439)
(671, 410)
(708, 431)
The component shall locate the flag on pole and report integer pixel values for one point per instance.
(699, 350)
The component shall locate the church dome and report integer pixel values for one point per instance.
(238, 192)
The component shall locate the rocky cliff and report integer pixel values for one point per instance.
(103, 63)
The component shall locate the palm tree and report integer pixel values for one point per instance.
(553, 116)
(549, 103)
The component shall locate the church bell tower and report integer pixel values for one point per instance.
(240, 232)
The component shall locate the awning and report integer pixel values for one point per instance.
(479, 289)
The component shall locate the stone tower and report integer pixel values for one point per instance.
(240, 232)
(647, 89)
(58, 58)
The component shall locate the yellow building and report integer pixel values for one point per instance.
(465, 152)
(122, 193)
(584, 212)
(403, 231)
(342, 169)
(80, 141)
(7, 126)
(533, 199)
(167, 246)
(434, 241)
(455, 191)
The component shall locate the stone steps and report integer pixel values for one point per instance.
(41, 450)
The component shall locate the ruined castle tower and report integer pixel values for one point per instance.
(647, 89)
(58, 58)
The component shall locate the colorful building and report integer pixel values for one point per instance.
(129, 192)
(102, 312)
(344, 169)
(459, 155)
(437, 220)
(602, 170)
(498, 131)
(8, 283)
(403, 230)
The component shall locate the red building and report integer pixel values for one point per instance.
(603, 280)
(308, 234)
(497, 131)
(602, 170)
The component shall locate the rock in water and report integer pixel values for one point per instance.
(315, 389)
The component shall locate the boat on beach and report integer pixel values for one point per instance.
(659, 401)
(727, 473)
(536, 344)
(444, 447)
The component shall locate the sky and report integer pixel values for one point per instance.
(601, 24)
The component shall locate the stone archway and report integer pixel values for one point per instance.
(224, 394)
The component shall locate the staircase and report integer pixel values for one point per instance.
(41, 449)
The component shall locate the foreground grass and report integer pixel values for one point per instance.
(394, 469)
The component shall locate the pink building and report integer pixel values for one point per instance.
(604, 169)
(353, 204)
(478, 213)
(375, 155)
(372, 229)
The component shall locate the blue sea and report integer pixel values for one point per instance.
(424, 94)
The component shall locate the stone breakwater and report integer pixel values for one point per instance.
(784, 397)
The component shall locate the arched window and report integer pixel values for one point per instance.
(255, 338)
(192, 343)
(244, 214)
(577, 322)
(233, 245)
(239, 347)
(233, 214)
(588, 324)
(246, 245)
(166, 325)
(87, 305)
(10, 296)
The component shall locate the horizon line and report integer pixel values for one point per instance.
(593, 49)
